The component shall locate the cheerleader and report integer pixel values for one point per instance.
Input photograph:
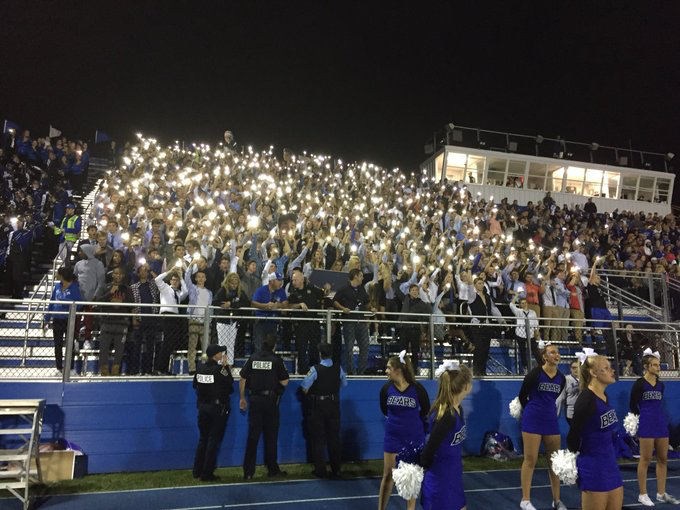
(538, 396)
(591, 435)
(405, 404)
(646, 400)
(441, 457)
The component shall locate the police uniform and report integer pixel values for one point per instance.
(322, 384)
(213, 384)
(307, 333)
(262, 373)
(18, 261)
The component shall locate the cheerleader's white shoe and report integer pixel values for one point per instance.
(558, 505)
(526, 505)
(644, 500)
(667, 498)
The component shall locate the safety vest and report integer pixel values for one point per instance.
(70, 224)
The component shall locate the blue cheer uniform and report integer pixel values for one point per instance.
(592, 432)
(406, 414)
(647, 401)
(538, 397)
(442, 459)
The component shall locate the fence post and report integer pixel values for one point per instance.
(430, 334)
(329, 325)
(70, 338)
(205, 340)
(616, 350)
(528, 333)
(650, 284)
(24, 353)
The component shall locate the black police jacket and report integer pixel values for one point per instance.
(213, 383)
(263, 371)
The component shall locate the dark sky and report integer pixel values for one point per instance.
(359, 80)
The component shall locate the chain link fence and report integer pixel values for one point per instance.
(93, 340)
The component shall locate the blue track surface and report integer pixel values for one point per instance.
(496, 490)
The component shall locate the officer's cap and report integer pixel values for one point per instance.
(70, 205)
(214, 349)
(278, 276)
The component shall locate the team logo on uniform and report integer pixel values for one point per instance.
(396, 400)
(262, 365)
(608, 418)
(205, 379)
(545, 386)
(460, 436)
(652, 395)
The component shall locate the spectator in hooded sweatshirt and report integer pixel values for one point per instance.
(91, 276)
(65, 291)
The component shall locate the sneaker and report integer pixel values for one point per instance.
(667, 498)
(558, 505)
(74, 373)
(644, 500)
(87, 345)
(526, 505)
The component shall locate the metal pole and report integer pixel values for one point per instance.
(650, 283)
(527, 326)
(24, 353)
(616, 349)
(329, 325)
(70, 335)
(205, 340)
(430, 331)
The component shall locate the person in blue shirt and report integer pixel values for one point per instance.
(268, 299)
(65, 291)
(322, 386)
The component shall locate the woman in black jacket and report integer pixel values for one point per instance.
(230, 332)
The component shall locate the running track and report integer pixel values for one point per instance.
(497, 490)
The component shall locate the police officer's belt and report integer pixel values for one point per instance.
(322, 397)
(215, 401)
(265, 393)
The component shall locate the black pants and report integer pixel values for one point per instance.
(212, 420)
(323, 424)
(17, 265)
(142, 350)
(174, 331)
(481, 338)
(307, 337)
(59, 327)
(263, 418)
(409, 340)
(522, 347)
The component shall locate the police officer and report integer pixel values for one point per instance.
(18, 258)
(304, 296)
(69, 230)
(264, 376)
(322, 386)
(213, 383)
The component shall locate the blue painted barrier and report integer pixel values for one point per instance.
(130, 425)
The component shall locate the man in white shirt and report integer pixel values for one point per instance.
(200, 296)
(523, 314)
(174, 327)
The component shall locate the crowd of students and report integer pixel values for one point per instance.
(420, 246)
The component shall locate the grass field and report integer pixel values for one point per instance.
(183, 478)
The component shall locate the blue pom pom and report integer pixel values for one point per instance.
(410, 453)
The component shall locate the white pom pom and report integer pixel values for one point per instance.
(515, 408)
(408, 478)
(630, 423)
(564, 466)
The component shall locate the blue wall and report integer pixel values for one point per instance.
(150, 425)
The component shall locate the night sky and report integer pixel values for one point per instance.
(362, 81)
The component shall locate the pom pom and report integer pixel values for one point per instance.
(408, 479)
(515, 408)
(564, 466)
(630, 423)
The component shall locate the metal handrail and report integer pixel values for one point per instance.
(629, 298)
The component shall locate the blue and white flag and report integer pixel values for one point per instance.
(100, 137)
(11, 126)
